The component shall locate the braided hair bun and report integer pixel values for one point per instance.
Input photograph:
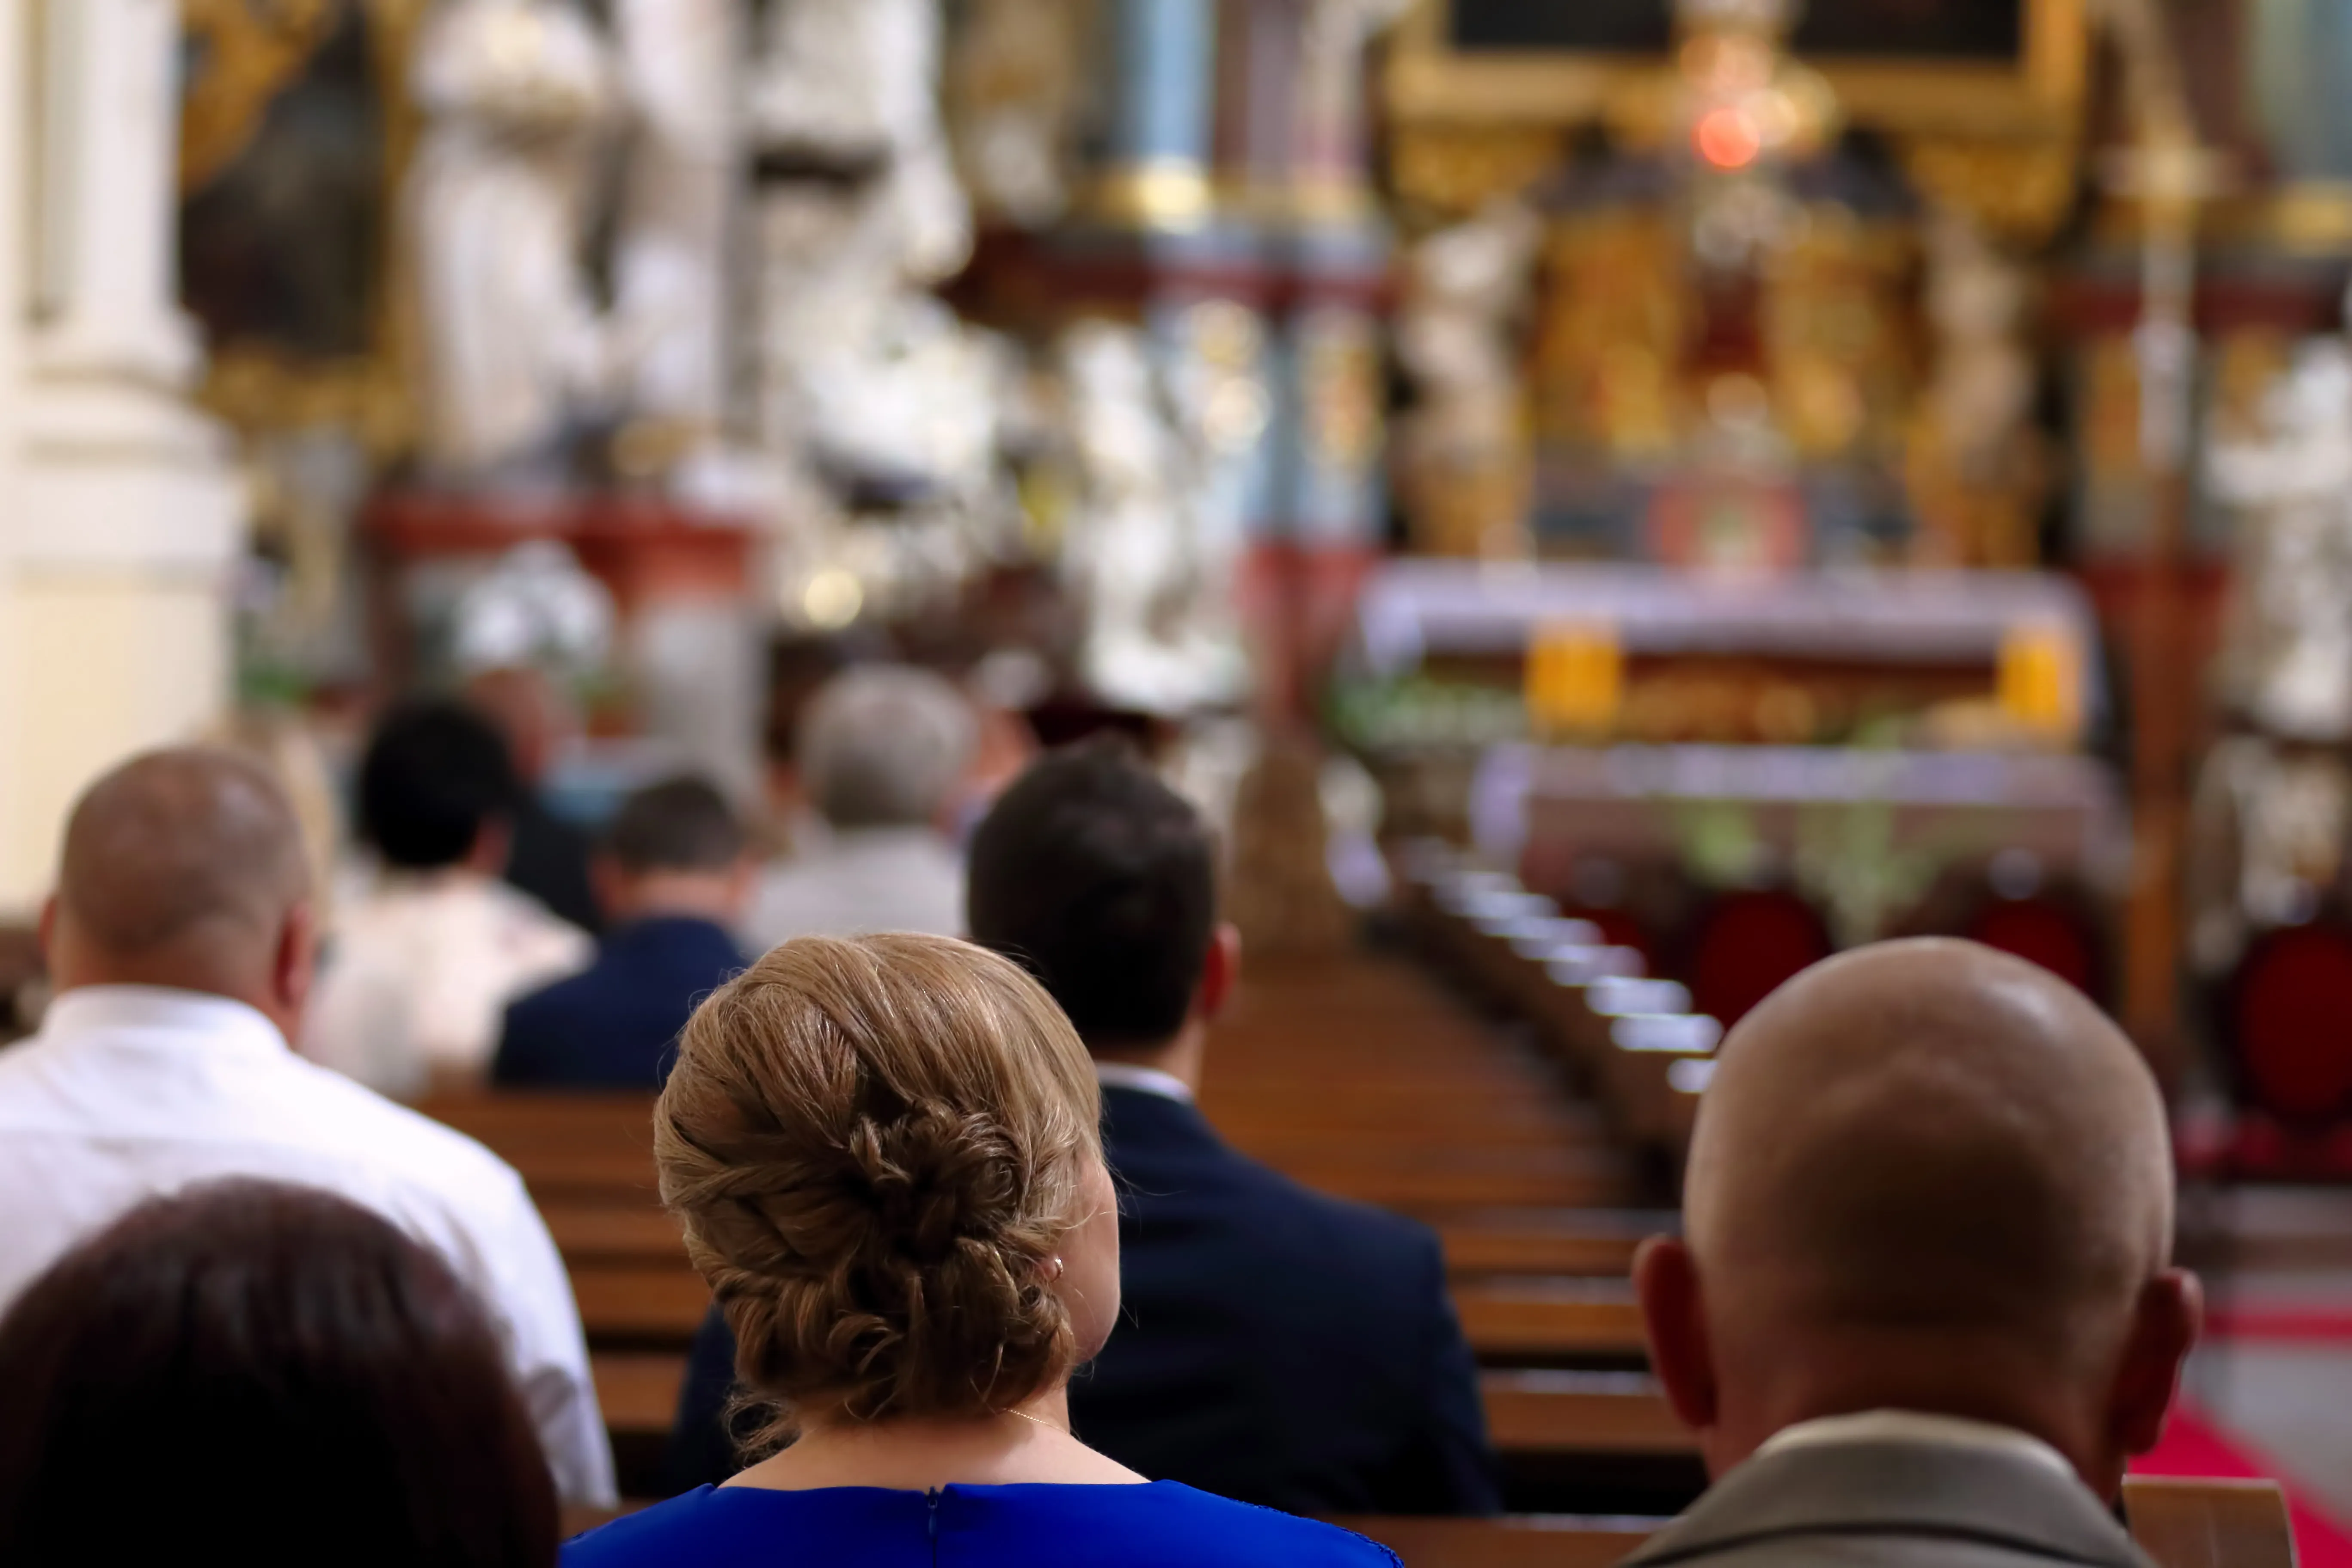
(875, 1147)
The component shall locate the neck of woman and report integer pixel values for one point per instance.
(1028, 1444)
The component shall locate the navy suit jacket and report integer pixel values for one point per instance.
(613, 1025)
(1276, 1345)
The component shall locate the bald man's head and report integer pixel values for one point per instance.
(1928, 1164)
(1933, 1132)
(178, 863)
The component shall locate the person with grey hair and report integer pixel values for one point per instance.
(881, 752)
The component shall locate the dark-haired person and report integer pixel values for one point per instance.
(549, 855)
(179, 941)
(326, 1388)
(886, 1153)
(1283, 1347)
(419, 969)
(673, 877)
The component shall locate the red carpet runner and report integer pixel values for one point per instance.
(2192, 1447)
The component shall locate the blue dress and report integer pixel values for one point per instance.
(1162, 1525)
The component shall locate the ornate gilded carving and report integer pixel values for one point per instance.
(2018, 190)
(242, 53)
(1452, 171)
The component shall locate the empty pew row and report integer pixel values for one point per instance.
(1630, 1038)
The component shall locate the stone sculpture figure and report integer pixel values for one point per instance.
(2286, 661)
(1462, 448)
(1146, 551)
(514, 94)
(680, 62)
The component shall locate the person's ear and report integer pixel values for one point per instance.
(610, 882)
(48, 933)
(295, 962)
(1221, 971)
(493, 846)
(1674, 1318)
(2165, 1325)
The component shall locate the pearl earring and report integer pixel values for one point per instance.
(1053, 1270)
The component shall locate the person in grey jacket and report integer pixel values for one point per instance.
(1924, 1312)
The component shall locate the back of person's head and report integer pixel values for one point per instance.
(264, 1376)
(884, 1151)
(678, 824)
(885, 746)
(435, 775)
(1927, 1176)
(1101, 881)
(180, 867)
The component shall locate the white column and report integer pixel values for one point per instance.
(126, 513)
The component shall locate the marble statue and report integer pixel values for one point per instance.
(1462, 451)
(1974, 461)
(1144, 550)
(514, 94)
(2286, 657)
(874, 398)
(680, 60)
(1013, 89)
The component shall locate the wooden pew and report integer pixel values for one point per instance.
(1533, 1541)
(1540, 1319)
(1527, 1413)
(1544, 1241)
(2210, 1524)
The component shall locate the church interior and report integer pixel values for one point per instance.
(1604, 504)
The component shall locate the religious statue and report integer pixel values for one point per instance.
(1151, 558)
(1462, 448)
(879, 408)
(1012, 90)
(2286, 658)
(679, 59)
(1974, 466)
(514, 95)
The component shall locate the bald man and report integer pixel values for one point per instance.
(178, 943)
(1925, 1312)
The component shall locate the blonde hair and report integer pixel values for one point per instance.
(875, 1146)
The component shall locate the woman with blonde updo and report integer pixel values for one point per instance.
(885, 1155)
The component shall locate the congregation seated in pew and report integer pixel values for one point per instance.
(882, 751)
(885, 1152)
(421, 966)
(258, 1373)
(179, 944)
(672, 874)
(1283, 1347)
(1925, 1311)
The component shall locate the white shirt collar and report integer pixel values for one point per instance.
(1143, 1081)
(1917, 1426)
(115, 1011)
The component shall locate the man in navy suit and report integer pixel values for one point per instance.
(672, 875)
(1276, 1345)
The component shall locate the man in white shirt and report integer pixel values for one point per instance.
(179, 944)
(422, 965)
(1925, 1311)
(881, 750)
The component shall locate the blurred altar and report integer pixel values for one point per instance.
(1769, 474)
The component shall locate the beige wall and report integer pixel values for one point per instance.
(101, 666)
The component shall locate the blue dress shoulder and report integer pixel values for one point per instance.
(1159, 1525)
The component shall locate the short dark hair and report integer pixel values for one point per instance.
(678, 824)
(1101, 881)
(433, 774)
(329, 1391)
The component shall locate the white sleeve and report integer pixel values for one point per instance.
(531, 1296)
